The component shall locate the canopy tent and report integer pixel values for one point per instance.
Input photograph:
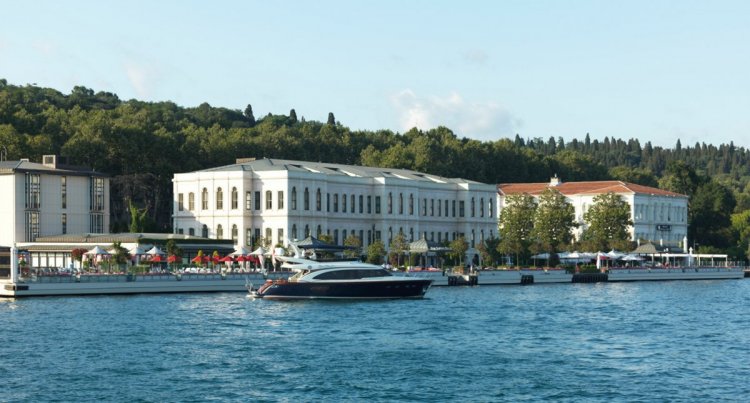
(423, 247)
(241, 251)
(155, 251)
(96, 251)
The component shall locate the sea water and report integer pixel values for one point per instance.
(648, 341)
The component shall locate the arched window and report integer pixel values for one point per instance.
(390, 203)
(411, 204)
(307, 230)
(235, 199)
(343, 203)
(318, 200)
(411, 234)
(235, 234)
(219, 232)
(294, 198)
(294, 231)
(191, 201)
(204, 231)
(219, 199)
(401, 203)
(204, 199)
(390, 236)
(319, 231)
(307, 199)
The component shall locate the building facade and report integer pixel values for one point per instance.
(282, 201)
(48, 198)
(659, 216)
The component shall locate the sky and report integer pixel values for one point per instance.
(653, 70)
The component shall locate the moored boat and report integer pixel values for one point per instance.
(340, 280)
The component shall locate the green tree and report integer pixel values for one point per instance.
(639, 176)
(398, 247)
(710, 215)
(354, 242)
(516, 225)
(375, 252)
(137, 217)
(249, 115)
(488, 251)
(553, 222)
(458, 247)
(331, 119)
(173, 249)
(292, 116)
(608, 220)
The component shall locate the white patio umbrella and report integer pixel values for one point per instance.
(136, 252)
(241, 251)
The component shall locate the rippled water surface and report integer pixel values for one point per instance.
(665, 341)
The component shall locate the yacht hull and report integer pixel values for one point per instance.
(411, 288)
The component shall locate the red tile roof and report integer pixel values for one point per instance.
(575, 188)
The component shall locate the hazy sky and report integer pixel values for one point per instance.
(653, 70)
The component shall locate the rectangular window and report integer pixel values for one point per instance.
(180, 202)
(191, 201)
(336, 203)
(248, 236)
(191, 231)
(248, 201)
(461, 208)
(269, 236)
(97, 194)
(454, 209)
(257, 200)
(432, 207)
(424, 207)
(440, 208)
(281, 200)
(33, 193)
(377, 204)
(64, 223)
(269, 200)
(257, 235)
(361, 204)
(328, 202)
(343, 203)
(96, 223)
(64, 191)
(369, 204)
(280, 238)
(32, 225)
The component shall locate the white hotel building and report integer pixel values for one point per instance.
(282, 201)
(659, 216)
(51, 199)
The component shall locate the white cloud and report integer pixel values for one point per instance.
(479, 120)
(140, 78)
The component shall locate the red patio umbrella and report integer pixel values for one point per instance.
(199, 259)
(173, 259)
(226, 259)
(157, 258)
(241, 259)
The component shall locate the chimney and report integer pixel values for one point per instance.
(554, 181)
(50, 161)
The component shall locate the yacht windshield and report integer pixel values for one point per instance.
(352, 274)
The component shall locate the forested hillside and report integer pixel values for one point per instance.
(142, 144)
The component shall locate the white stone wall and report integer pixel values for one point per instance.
(435, 224)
